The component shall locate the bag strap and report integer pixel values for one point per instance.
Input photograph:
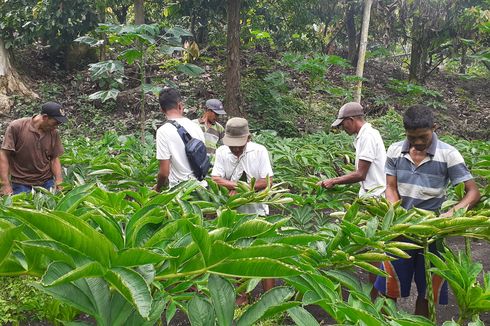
(181, 130)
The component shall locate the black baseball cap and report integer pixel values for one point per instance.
(54, 110)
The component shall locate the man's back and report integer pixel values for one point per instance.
(171, 147)
(370, 147)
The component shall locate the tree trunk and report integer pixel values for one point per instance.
(362, 48)
(139, 12)
(420, 43)
(350, 26)
(10, 81)
(233, 97)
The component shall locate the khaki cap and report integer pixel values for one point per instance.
(351, 109)
(236, 132)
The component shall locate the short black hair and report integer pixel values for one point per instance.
(169, 98)
(418, 117)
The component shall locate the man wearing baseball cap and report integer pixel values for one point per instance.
(241, 159)
(31, 150)
(370, 158)
(212, 129)
(370, 152)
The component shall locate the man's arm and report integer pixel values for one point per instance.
(6, 187)
(391, 193)
(162, 176)
(353, 177)
(228, 184)
(57, 172)
(471, 197)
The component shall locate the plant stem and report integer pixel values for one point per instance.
(467, 244)
(429, 289)
(142, 104)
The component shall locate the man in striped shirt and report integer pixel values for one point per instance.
(212, 129)
(418, 171)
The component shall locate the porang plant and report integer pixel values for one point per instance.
(114, 249)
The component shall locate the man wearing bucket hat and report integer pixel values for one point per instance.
(241, 159)
(370, 153)
(212, 129)
(31, 150)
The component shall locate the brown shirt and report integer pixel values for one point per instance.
(31, 152)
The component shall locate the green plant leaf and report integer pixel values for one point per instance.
(302, 317)
(189, 69)
(255, 267)
(201, 312)
(223, 299)
(104, 95)
(132, 287)
(274, 297)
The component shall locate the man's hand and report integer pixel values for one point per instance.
(449, 213)
(328, 183)
(6, 190)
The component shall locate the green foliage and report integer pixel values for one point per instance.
(20, 302)
(412, 93)
(462, 274)
(27, 21)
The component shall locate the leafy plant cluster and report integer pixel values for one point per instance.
(116, 250)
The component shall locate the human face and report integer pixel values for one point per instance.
(237, 150)
(348, 125)
(420, 139)
(211, 116)
(49, 124)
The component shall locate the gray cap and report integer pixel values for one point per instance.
(351, 109)
(215, 105)
(236, 132)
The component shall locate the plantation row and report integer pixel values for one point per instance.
(111, 247)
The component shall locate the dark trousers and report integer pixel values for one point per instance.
(18, 187)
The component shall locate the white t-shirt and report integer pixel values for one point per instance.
(370, 147)
(171, 147)
(254, 162)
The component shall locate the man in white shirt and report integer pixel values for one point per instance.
(174, 165)
(239, 155)
(370, 153)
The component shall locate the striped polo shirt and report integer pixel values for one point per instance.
(213, 135)
(424, 186)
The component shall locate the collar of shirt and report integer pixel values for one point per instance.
(431, 150)
(365, 126)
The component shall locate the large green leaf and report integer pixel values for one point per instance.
(255, 267)
(92, 269)
(69, 230)
(138, 256)
(7, 238)
(274, 297)
(223, 298)
(89, 295)
(251, 228)
(203, 242)
(105, 95)
(302, 317)
(189, 69)
(201, 312)
(72, 199)
(132, 287)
